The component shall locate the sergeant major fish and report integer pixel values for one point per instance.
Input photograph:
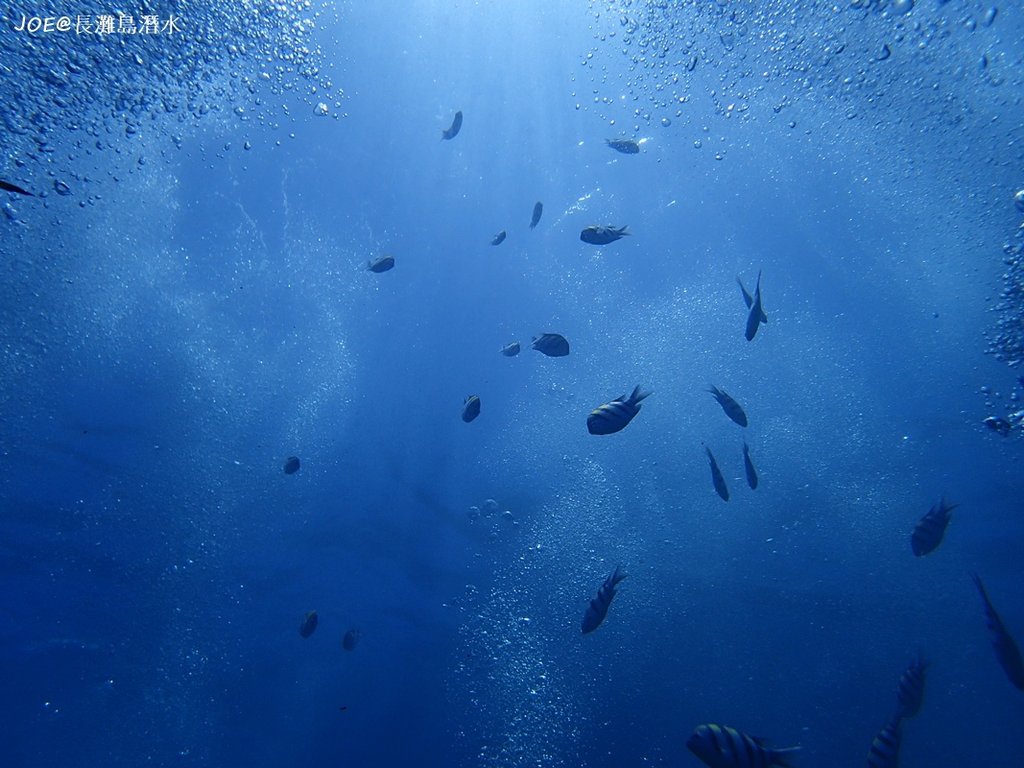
(381, 264)
(885, 747)
(598, 607)
(931, 528)
(598, 235)
(538, 209)
(499, 238)
(731, 407)
(748, 466)
(351, 639)
(291, 465)
(614, 416)
(471, 408)
(749, 300)
(756, 312)
(910, 691)
(1006, 649)
(551, 344)
(511, 349)
(716, 476)
(625, 146)
(309, 622)
(720, 746)
(456, 126)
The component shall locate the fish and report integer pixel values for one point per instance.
(720, 746)
(456, 126)
(551, 344)
(910, 690)
(6, 186)
(614, 416)
(308, 626)
(1006, 649)
(471, 408)
(291, 465)
(351, 639)
(998, 424)
(716, 476)
(756, 312)
(749, 300)
(511, 349)
(538, 209)
(381, 264)
(885, 747)
(731, 407)
(499, 238)
(598, 235)
(748, 465)
(598, 607)
(931, 528)
(625, 146)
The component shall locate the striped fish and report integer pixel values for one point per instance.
(499, 238)
(538, 209)
(471, 408)
(720, 746)
(931, 528)
(748, 465)
(885, 748)
(716, 476)
(551, 344)
(731, 407)
(1006, 649)
(749, 300)
(614, 416)
(910, 691)
(511, 349)
(598, 607)
(756, 312)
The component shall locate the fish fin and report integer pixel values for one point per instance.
(622, 231)
(637, 395)
(780, 756)
(764, 317)
(617, 575)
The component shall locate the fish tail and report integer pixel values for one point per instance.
(622, 231)
(781, 756)
(638, 395)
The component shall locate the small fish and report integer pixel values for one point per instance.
(731, 407)
(1006, 649)
(720, 746)
(625, 146)
(551, 344)
(748, 465)
(716, 476)
(511, 349)
(756, 312)
(538, 209)
(291, 465)
(910, 691)
(308, 626)
(351, 639)
(6, 186)
(885, 747)
(997, 424)
(614, 416)
(598, 607)
(381, 264)
(471, 408)
(748, 299)
(499, 238)
(598, 235)
(931, 528)
(456, 126)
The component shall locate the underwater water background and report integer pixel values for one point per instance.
(186, 303)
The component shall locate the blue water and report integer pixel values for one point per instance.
(196, 309)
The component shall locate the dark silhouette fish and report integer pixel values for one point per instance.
(748, 466)
(731, 407)
(499, 238)
(931, 528)
(456, 126)
(625, 146)
(351, 639)
(910, 691)
(885, 747)
(749, 300)
(614, 416)
(291, 465)
(308, 626)
(998, 424)
(598, 235)
(511, 349)
(6, 186)
(1006, 649)
(598, 607)
(551, 344)
(720, 746)
(716, 476)
(471, 408)
(756, 312)
(381, 264)
(538, 209)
